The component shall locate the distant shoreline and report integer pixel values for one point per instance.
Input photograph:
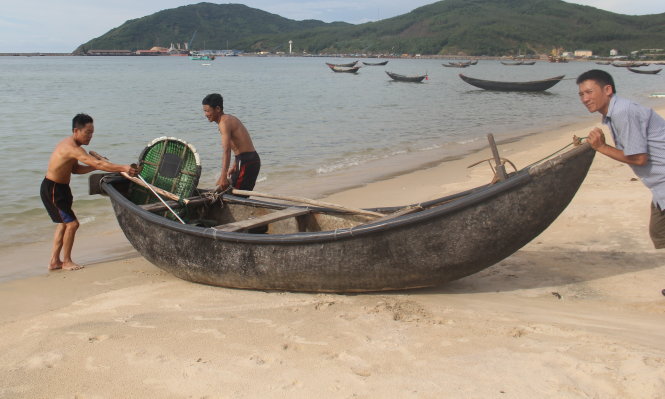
(34, 54)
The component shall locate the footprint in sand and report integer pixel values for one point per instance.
(44, 361)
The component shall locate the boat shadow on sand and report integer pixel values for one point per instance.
(529, 269)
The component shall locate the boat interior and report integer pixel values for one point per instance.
(230, 213)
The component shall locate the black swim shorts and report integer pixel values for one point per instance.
(58, 200)
(248, 165)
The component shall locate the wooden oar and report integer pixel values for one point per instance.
(142, 182)
(161, 199)
(308, 201)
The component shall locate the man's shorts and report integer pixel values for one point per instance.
(248, 165)
(657, 226)
(58, 200)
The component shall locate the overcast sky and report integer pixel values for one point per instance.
(61, 26)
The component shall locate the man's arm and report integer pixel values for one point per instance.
(223, 181)
(92, 163)
(597, 141)
(79, 169)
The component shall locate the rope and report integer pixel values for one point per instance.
(576, 141)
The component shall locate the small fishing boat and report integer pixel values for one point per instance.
(232, 241)
(201, 57)
(457, 65)
(629, 64)
(647, 72)
(404, 78)
(512, 63)
(536, 85)
(348, 65)
(375, 63)
(335, 68)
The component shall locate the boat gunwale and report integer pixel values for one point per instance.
(463, 200)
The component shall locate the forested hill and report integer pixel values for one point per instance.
(471, 27)
(204, 24)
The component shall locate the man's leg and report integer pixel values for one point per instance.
(657, 227)
(55, 262)
(68, 244)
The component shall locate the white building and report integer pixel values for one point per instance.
(583, 53)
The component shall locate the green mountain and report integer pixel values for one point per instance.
(471, 27)
(206, 25)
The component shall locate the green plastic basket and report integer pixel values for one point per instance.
(170, 164)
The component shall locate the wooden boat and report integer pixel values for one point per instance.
(629, 64)
(536, 85)
(512, 63)
(319, 249)
(349, 65)
(456, 65)
(403, 78)
(344, 69)
(375, 63)
(201, 57)
(649, 72)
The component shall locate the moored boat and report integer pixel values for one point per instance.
(319, 249)
(201, 57)
(536, 85)
(347, 65)
(375, 63)
(404, 78)
(457, 65)
(335, 68)
(645, 71)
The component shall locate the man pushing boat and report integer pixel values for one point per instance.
(55, 191)
(242, 175)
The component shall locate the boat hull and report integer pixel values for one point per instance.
(445, 242)
(402, 78)
(536, 85)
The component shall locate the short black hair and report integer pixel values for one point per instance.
(80, 120)
(214, 100)
(601, 77)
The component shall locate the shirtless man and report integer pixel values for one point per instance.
(242, 175)
(55, 191)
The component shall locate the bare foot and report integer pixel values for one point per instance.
(55, 266)
(71, 266)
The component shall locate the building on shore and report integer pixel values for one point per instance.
(153, 51)
(109, 52)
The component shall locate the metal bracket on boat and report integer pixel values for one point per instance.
(500, 168)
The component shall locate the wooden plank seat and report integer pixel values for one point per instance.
(263, 220)
(159, 207)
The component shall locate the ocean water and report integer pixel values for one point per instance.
(317, 131)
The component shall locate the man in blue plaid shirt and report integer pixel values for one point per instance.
(639, 135)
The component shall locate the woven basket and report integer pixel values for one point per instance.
(170, 164)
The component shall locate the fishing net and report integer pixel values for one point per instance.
(170, 164)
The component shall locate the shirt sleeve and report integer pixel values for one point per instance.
(631, 125)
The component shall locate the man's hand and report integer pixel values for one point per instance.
(131, 170)
(222, 184)
(596, 138)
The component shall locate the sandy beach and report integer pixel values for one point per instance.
(577, 313)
